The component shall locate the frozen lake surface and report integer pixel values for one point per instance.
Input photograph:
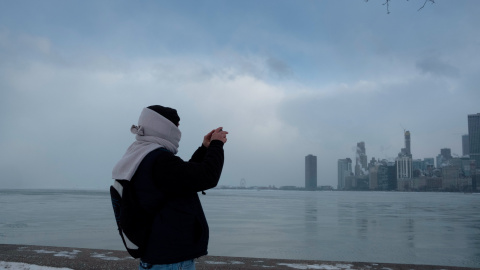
(390, 227)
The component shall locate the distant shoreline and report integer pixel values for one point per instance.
(106, 190)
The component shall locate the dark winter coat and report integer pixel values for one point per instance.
(166, 187)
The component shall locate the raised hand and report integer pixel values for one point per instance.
(207, 138)
(219, 134)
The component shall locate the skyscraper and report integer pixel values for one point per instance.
(361, 160)
(310, 172)
(404, 167)
(404, 160)
(344, 170)
(378, 176)
(465, 145)
(407, 143)
(474, 137)
(407, 151)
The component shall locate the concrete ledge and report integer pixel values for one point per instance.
(80, 258)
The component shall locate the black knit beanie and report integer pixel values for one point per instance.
(169, 113)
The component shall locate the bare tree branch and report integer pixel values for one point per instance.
(424, 3)
(387, 3)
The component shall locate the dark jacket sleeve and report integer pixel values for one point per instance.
(173, 175)
(199, 154)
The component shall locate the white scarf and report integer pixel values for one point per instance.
(153, 131)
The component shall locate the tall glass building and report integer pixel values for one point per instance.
(474, 137)
(407, 143)
(344, 170)
(465, 145)
(310, 172)
(361, 160)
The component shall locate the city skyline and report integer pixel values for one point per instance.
(408, 149)
(452, 173)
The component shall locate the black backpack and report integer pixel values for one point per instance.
(134, 224)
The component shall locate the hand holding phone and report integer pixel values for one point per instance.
(219, 134)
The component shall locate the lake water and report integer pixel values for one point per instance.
(391, 227)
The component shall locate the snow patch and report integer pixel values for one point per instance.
(44, 251)
(318, 266)
(107, 258)
(68, 254)
(24, 266)
(213, 262)
(230, 262)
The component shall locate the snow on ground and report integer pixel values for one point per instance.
(68, 254)
(24, 266)
(317, 266)
(218, 262)
(214, 262)
(107, 257)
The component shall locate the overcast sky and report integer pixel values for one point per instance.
(285, 78)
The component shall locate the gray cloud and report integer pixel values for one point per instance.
(438, 67)
(279, 68)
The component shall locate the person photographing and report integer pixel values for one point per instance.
(166, 187)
